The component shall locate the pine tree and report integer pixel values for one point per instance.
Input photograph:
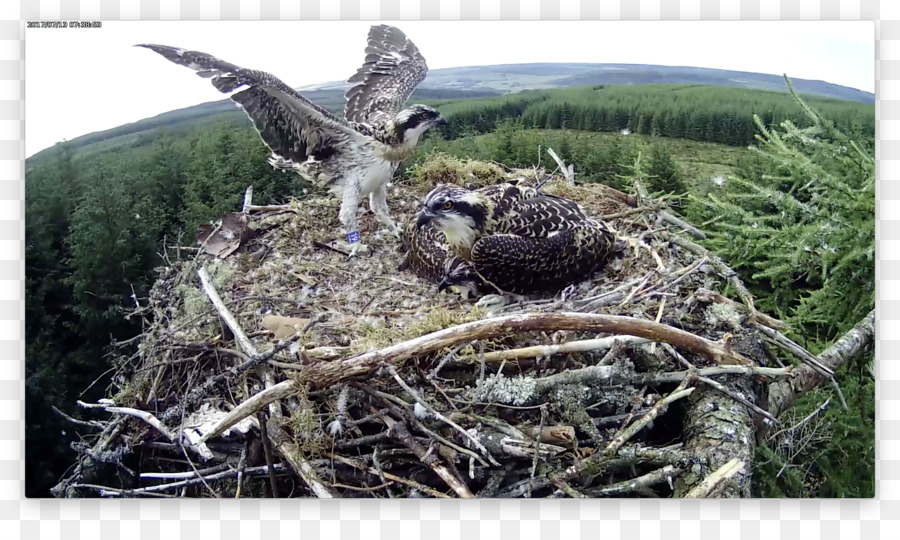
(663, 173)
(805, 229)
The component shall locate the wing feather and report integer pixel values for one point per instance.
(392, 70)
(293, 127)
(525, 265)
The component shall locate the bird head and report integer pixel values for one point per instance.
(415, 120)
(460, 277)
(457, 212)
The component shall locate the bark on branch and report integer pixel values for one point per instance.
(324, 374)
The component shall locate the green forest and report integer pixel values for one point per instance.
(784, 189)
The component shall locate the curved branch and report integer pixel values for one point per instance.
(324, 374)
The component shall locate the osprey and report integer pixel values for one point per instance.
(516, 239)
(352, 157)
(430, 256)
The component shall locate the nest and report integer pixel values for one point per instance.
(286, 369)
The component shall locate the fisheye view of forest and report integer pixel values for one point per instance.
(778, 185)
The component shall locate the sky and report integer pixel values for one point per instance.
(78, 81)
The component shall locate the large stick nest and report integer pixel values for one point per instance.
(461, 418)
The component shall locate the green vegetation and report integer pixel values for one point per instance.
(700, 113)
(99, 215)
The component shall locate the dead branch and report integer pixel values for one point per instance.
(716, 481)
(708, 296)
(660, 407)
(323, 374)
(546, 351)
(783, 395)
(292, 454)
(637, 484)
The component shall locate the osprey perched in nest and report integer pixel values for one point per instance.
(516, 239)
(429, 255)
(352, 157)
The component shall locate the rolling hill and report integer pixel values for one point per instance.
(472, 82)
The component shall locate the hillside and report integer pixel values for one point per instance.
(477, 82)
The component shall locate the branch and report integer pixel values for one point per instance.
(545, 351)
(324, 374)
(715, 481)
(783, 394)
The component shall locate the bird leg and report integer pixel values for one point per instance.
(378, 205)
(349, 206)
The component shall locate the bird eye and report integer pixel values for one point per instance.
(448, 205)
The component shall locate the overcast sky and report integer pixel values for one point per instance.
(78, 81)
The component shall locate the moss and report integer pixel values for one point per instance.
(442, 168)
(375, 335)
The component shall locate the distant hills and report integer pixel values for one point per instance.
(473, 82)
(514, 77)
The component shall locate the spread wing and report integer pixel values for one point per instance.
(392, 70)
(525, 265)
(291, 126)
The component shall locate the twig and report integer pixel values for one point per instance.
(747, 403)
(392, 477)
(716, 481)
(636, 484)
(439, 416)
(534, 459)
(706, 295)
(226, 315)
(657, 409)
(545, 351)
(267, 450)
(248, 199)
(399, 432)
(291, 453)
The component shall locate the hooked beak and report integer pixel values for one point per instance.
(425, 217)
(441, 122)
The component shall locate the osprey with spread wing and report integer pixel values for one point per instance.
(354, 156)
(516, 239)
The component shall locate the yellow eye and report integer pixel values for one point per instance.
(448, 205)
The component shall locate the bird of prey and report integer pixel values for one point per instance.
(353, 156)
(517, 240)
(429, 256)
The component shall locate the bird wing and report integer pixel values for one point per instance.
(392, 70)
(426, 251)
(542, 215)
(293, 127)
(524, 265)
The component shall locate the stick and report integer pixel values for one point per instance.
(715, 481)
(400, 480)
(783, 395)
(543, 351)
(251, 405)
(650, 479)
(248, 199)
(323, 374)
(226, 315)
(291, 453)
(654, 412)
(401, 434)
(439, 416)
(747, 403)
(706, 295)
